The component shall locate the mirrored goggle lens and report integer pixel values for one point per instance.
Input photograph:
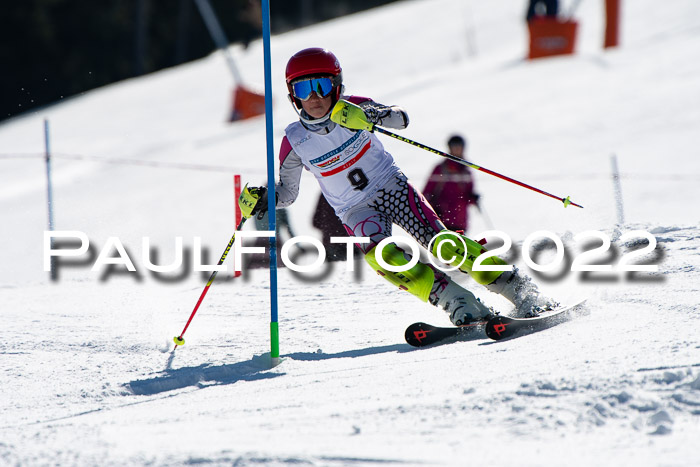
(321, 86)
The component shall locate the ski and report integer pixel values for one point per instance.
(496, 328)
(504, 327)
(422, 334)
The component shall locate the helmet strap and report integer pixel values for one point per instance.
(308, 121)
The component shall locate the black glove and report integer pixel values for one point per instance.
(261, 206)
(376, 112)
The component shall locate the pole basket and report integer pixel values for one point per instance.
(551, 36)
(246, 104)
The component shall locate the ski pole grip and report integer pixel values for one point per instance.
(350, 116)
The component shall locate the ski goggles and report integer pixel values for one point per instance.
(303, 89)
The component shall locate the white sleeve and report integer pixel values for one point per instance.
(389, 116)
(290, 174)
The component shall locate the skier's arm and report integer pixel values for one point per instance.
(290, 174)
(359, 113)
(254, 200)
(384, 115)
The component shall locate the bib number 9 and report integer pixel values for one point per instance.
(358, 179)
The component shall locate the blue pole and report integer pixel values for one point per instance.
(272, 197)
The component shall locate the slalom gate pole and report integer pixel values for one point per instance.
(218, 35)
(566, 200)
(49, 192)
(179, 340)
(271, 195)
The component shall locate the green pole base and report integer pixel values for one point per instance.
(274, 343)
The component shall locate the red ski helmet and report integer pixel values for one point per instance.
(314, 61)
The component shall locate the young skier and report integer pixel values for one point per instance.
(369, 192)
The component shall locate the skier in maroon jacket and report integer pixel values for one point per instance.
(450, 188)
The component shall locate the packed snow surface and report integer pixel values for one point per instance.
(90, 376)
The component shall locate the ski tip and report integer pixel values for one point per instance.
(581, 302)
(416, 334)
(498, 328)
(179, 340)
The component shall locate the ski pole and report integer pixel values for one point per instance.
(567, 201)
(179, 340)
(352, 116)
(485, 216)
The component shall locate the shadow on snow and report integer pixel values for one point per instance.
(252, 370)
(310, 356)
(204, 375)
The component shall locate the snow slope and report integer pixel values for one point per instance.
(89, 374)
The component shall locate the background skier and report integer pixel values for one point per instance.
(450, 188)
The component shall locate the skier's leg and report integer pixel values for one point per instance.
(409, 209)
(450, 245)
(417, 280)
(515, 286)
(428, 284)
(421, 280)
(522, 292)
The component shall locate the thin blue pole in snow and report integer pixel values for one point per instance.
(271, 195)
(49, 191)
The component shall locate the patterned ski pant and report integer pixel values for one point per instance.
(398, 202)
